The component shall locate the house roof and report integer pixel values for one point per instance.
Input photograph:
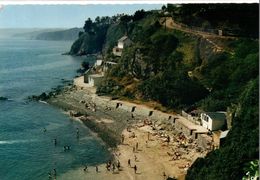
(96, 75)
(219, 116)
(123, 38)
(110, 62)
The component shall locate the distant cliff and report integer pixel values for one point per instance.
(62, 35)
(49, 34)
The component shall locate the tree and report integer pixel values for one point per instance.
(85, 65)
(80, 33)
(97, 20)
(88, 25)
(163, 8)
(124, 21)
(140, 14)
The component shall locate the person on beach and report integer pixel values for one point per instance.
(132, 115)
(108, 166)
(85, 168)
(113, 167)
(135, 168)
(136, 146)
(96, 169)
(135, 158)
(164, 175)
(146, 143)
(118, 165)
(129, 162)
(122, 138)
(133, 149)
(168, 139)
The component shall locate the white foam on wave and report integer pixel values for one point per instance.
(17, 141)
(44, 102)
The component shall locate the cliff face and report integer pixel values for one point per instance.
(85, 44)
(102, 39)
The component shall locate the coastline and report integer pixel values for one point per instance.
(109, 119)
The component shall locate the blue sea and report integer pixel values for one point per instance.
(30, 67)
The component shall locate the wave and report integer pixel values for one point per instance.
(17, 141)
(51, 65)
(44, 102)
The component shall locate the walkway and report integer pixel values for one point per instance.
(171, 24)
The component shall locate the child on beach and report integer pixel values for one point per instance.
(85, 168)
(129, 162)
(135, 168)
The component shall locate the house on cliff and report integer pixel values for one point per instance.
(213, 120)
(121, 44)
(94, 75)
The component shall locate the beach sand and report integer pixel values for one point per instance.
(154, 157)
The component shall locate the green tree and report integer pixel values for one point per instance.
(124, 21)
(88, 25)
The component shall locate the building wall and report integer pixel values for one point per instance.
(94, 81)
(123, 44)
(117, 51)
(180, 127)
(120, 45)
(86, 78)
(216, 125)
(206, 121)
(90, 81)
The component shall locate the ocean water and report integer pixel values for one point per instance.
(30, 67)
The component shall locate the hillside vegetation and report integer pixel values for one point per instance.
(184, 71)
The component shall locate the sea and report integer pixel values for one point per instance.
(27, 151)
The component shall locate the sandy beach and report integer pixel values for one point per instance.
(155, 147)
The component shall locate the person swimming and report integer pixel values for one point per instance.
(77, 132)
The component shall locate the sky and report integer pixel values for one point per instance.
(61, 16)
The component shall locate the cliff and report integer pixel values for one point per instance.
(62, 35)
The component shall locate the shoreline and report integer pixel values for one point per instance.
(109, 119)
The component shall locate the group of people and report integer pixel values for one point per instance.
(67, 147)
(129, 164)
(112, 166)
(52, 175)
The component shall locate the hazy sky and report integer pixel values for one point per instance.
(53, 16)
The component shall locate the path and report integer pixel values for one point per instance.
(171, 24)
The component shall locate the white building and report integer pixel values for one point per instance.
(98, 62)
(95, 79)
(108, 65)
(213, 120)
(121, 44)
